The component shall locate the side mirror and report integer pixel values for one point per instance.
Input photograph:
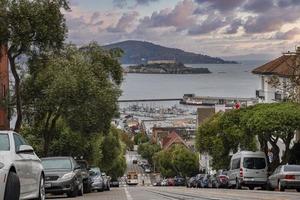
(25, 149)
(77, 167)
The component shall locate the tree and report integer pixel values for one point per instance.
(238, 130)
(80, 86)
(140, 138)
(26, 27)
(176, 161)
(147, 151)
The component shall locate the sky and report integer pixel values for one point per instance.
(213, 27)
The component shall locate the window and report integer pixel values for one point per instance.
(19, 140)
(254, 163)
(4, 142)
(292, 168)
(236, 163)
(57, 163)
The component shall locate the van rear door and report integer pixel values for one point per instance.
(255, 167)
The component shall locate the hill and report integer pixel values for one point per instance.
(138, 52)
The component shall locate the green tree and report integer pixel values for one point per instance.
(176, 161)
(140, 138)
(80, 86)
(26, 27)
(147, 151)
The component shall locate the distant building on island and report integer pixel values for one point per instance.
(4, 88)
(282, 68)
(161, 62)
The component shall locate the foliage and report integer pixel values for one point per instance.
(26, 27)
(140, 138)
(126, 138)
(295, 154)
(79, 86)
(147, 151)
(238, 130)
(176, 161)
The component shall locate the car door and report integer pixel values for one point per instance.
(23, 165)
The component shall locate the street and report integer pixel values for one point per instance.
(182, 193)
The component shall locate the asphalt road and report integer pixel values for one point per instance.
(182, 193)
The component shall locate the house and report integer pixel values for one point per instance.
(172, 139)
(4, 88)
(282, 68)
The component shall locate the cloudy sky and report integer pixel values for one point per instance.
(213, 27)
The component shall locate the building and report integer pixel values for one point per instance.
(161, 62)
(172, 139)
(4, 88)
(279, 70)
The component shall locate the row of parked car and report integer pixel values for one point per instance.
(25, 176)
(247, 169)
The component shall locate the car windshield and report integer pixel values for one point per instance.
(95, 171)
(82, 164)
(4, 142)
(57, 164)
(292, 168)
(254, 163)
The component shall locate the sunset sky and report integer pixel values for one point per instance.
(213, 27)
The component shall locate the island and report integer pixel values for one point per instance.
(165, 68)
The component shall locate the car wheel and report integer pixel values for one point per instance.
(251, 187)
(238, 185)
(73, 192)
(280, 187)
(42, 193)
(12, 189)
(80, 191)
(298, 190)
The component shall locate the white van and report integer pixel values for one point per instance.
(248, 168)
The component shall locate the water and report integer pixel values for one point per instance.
(228, 80)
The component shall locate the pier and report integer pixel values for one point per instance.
(144, 100)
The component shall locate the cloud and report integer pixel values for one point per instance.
(234, 26)
(258, 6)
(124, 3)
(124, 23)
(221, 5)
(289, 35)
(207, 26)
(181, 17)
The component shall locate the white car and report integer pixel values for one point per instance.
(21, 170)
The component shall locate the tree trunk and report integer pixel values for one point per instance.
(17, 92)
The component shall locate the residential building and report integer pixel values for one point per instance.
(4, 88)
(172, 139)
(275, 77)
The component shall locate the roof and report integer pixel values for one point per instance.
(172, 138)
(282, 66)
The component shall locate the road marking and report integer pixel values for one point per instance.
(128, 196)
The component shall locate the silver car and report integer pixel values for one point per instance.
(20, 169)
(285, 177)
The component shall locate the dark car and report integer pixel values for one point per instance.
(191, 183)
(106, 181)
(179, 181)
(97, 179)
(114, 182)
(87, 181)
(62, 175)
(199, 178)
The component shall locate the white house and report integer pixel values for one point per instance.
(281, 69)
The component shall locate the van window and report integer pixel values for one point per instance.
(254, 163)
(236, 163)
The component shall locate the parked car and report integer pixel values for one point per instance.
(114, 182)
(285, 177)
(63, 175)
(158, 183)
(213, 182)
(134, 162)
(205, 181)
(21, 171)
(179, 181)
(97, 179)
(199, 178)
(248, 169)
(222, 180)
(171, 182)
(106, 180)
(191, 183)
(164, 182)
(86, 179)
